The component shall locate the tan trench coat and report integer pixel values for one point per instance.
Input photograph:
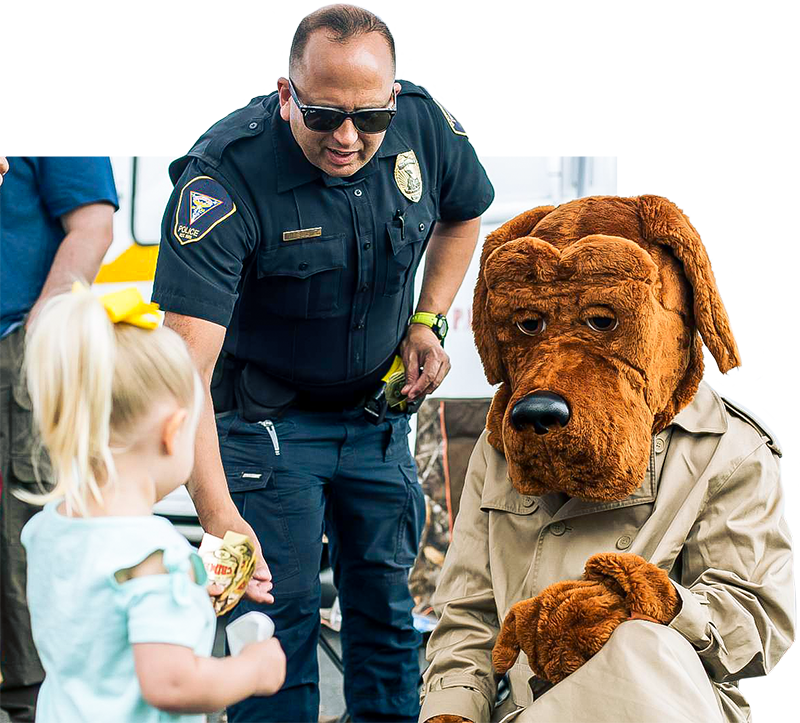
(709, 511)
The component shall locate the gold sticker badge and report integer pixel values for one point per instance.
(408, 176)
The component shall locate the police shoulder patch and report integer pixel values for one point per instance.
(452, 121)
(202, 205)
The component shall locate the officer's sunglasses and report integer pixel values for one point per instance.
(324, 120)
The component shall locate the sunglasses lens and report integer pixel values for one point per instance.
(323, 121)
(373, 121)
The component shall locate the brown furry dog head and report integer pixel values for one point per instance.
(590, 315)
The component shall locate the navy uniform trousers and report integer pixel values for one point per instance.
(333, 472)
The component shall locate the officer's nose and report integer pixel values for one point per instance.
(542, 410)
(346, 135)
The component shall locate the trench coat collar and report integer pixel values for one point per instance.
(705, 414)
(574, 507)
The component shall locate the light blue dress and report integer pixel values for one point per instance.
(85, 622)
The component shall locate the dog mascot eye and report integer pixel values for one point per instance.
(602, 323)
(532, 327)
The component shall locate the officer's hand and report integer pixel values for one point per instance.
(425, 360)
(261, 583)
(3, 168)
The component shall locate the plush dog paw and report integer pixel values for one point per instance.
(568, 622)
(448, 719)
(559, 629)
(646, 589)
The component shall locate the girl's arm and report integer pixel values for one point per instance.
(172, 678)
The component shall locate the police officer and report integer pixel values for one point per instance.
(290, 244)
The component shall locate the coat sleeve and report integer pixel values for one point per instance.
(460, 679)
(737, 583)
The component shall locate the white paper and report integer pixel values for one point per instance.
(249, 628)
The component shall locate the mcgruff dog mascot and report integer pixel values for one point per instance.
(619, 550)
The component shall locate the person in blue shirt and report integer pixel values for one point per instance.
(56, 219)
(290, 244)
(119, 608)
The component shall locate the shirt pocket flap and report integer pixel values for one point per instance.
(398, 237)
(415, 227)
(248, 478)
(508, 501)
(303, 258)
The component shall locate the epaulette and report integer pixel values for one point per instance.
(737, 410)
(408, 88)
(452, 121)
(242, 123)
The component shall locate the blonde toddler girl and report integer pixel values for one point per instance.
(119, 610)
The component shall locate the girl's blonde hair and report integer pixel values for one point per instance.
(89, 380)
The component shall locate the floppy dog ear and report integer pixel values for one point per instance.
(664, 223)
(485, 338)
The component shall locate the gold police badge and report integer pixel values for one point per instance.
(408, 176)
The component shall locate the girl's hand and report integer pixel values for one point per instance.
(269, 661)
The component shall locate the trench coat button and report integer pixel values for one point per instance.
(659, 444)
(527, 501)
(624, 542)
(253, 126)
(422, 227)
(558, 528)
(303, 266)
(357, 192)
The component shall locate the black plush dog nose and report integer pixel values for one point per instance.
(542, 410)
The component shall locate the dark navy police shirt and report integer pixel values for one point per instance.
(312, 275)
(36, 193)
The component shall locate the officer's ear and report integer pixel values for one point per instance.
(285, 98)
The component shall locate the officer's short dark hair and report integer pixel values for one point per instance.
(342, 23)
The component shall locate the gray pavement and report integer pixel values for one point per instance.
(331, 687)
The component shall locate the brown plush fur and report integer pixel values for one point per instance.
(640, 264)
(568, 622)
(637, 260)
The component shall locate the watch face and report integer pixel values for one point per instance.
(442, 327)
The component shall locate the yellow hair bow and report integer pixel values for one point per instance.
(126, 307)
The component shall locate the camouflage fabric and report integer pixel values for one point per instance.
(447, 430)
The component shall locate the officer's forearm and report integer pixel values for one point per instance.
(447, 259)
(207, 485)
